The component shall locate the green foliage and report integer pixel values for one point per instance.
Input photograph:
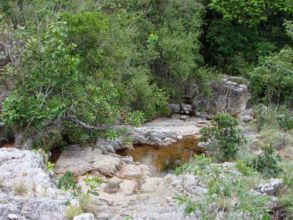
(272, 80)
(224, 136)
(92, 182)
(274, 117)
(228, 191)
(285, 121)
(200, 162)
(46, 70)
(167, 36)
(244, 168)
(239, 33)
(267, 163)
(234, 48)
(286, 202)
(73, 210)
(135, 118)
(50, 166)
(146, 97)
(251, 12)
(67, 182)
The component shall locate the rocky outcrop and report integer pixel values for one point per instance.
(144, 198)
(229, 95)
(27, 190)
(164, 132)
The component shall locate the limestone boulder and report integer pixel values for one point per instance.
(81, 160)
(230, 95)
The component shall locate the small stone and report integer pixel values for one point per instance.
(12, 216)
(112, 187)
(84, 216)
(169, 199)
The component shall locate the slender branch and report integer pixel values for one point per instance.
(82, 124)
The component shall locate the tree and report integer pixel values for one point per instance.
(51, 87)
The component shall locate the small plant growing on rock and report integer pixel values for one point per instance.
(20, 188)
(92, 182)
(50, 166)
(66, 182)
(73, 210)
(224, 136)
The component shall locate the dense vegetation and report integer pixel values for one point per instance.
(82, 65)
(74, 69)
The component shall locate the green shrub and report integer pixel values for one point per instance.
(67, 182)
(267, 163)
(272, 80)
(135, 118)
(244, 168)
(274, 117)
(224, 136)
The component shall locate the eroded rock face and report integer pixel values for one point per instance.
(81, 160)
(27, 190)
(229, 95)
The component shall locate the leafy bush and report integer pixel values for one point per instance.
(272, 80)
(67, 182)
(267, 163)
(135, 118)
(285, 120)
(225, 138)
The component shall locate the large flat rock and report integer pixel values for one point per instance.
(163, 132)
(81, 160)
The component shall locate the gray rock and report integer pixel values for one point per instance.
(247, 115)
(33, 209)
(27, 191)
(107, 145)
(230, 95)
(186, 109)
(84, 216)
(81, 160)
(271, 187)
(174, 108)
